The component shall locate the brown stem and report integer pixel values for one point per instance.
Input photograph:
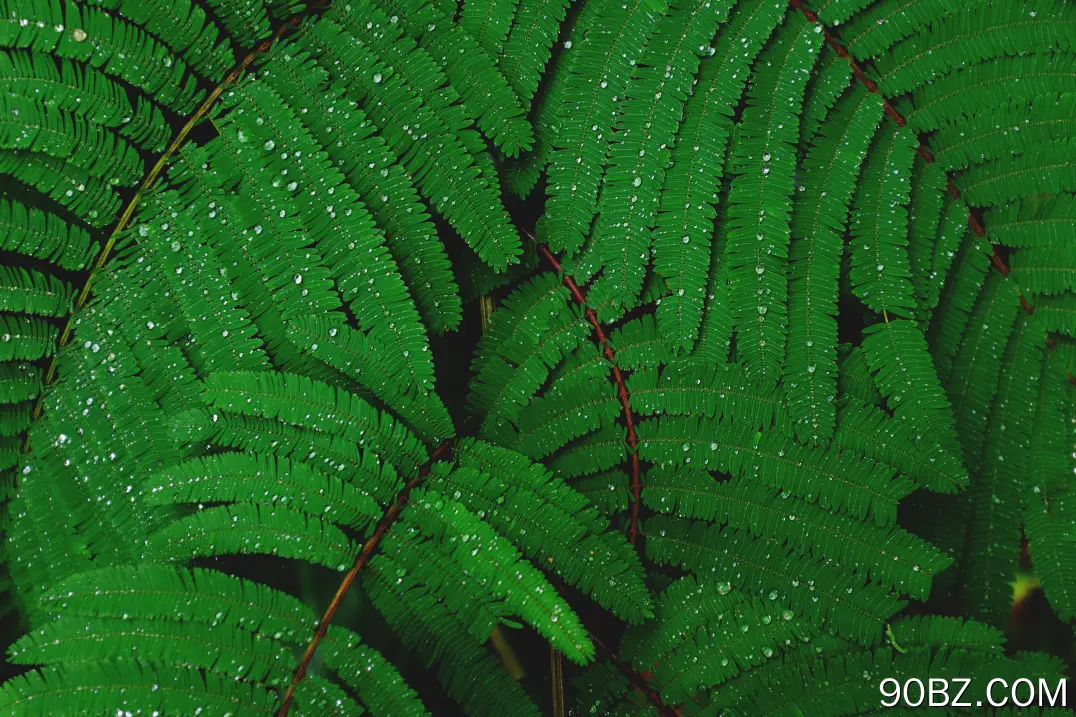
(556, 668)
(392, 513)
(580, 297)
(145, 186)
(975, 222)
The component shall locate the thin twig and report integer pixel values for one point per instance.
(556, 669)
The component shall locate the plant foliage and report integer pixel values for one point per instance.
(776, 388)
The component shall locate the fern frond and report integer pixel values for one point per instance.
(880, 25)
(1052, 539)
(978, 363)
(1056, 314)
(26, 338)
(340, 226)
(570, 409)
(522, 175)
(68, 30)
(390, 101)
(471, 71)
(238, 477)
(32, 292)
(819, 216)
(966, 277)
(51, 131)
(384, 375)
(220, 650)
(299, 401)
(197, 595)
(952, 231)
(1049, 170)
(212, 332)
(528, 48)
(734, 634)
(885, 555)
(99, 687)
(228, 625)
(925, 237)
(1046, 270)
(248, 433)
(502, 570)
(183, 27)
(880, 271)
(488, 22)
(386, 190)
(760, 200)
(239, 529)
(829, 79)
(530, 332)
(971, 37)
(832, 684)
(853, 376)
(607, 491)
(560, 531)
(1032, 222)
(992, 547)
(698, 157)
(869, 431)
(469, 673)
(235, 364)
(987, 84)
(90, 199)
(42, 235)
(600, 450)
(841, 482)
(839, 603)
(992, 133)
(598, 76)
(649, 116)
(715, 327)
(1048, 509)
(387, 693)
(246, 20)
(897, 355)
(694, 388)
(639, 344)
(85, 91)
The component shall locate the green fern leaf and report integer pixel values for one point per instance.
(733, 559)
(880, 271)
(818, 220)
(760, 198)
(897, 355)
(598, 76)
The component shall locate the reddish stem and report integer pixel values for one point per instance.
(999, 263)
(368, 549)
(580, 297)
